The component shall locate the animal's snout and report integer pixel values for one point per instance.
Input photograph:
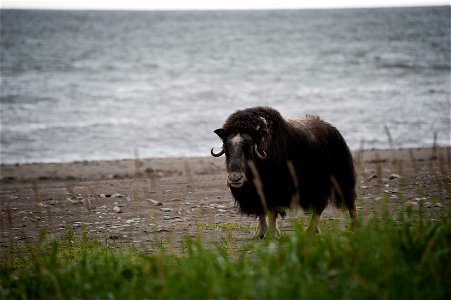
(235, 179)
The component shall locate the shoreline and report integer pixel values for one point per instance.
(151, 201)
(126, 168)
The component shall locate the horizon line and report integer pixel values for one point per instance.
(221, 9)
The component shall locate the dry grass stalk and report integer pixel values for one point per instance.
(296, 198)
(259, 186)
(137, 164)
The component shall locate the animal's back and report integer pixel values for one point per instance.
(329, 166)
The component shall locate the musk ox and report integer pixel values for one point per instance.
(273, 164)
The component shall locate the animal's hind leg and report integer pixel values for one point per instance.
(262, 227)
(353, 216)
(273, 231)
(313, 227)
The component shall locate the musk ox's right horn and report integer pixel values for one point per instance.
(259, 155)
(263, 130)
(217, 154)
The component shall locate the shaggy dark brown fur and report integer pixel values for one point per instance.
(323, 164)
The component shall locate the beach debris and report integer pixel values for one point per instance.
(371, 177)
(117, 209)
(155, 202)
(420, 199)
(115, 195)
(133, 220)
(166, 209)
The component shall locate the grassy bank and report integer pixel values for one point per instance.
(384, 259)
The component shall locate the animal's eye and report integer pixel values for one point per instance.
(247, 147)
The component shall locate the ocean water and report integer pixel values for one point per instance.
(85, 85)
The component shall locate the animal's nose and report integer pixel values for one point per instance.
(234, 177)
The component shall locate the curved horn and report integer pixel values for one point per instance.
(217, 154)
(261, 156)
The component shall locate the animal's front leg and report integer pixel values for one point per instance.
(354, 218)
(262, 227)
(273, 231)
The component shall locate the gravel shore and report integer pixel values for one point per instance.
(154, 202)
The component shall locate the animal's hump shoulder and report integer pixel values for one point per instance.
(270, 115)
(251, 118)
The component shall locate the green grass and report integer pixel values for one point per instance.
(384, 259)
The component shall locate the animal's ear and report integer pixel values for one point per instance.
(221, 133)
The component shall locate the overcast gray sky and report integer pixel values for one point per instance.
(210, 4)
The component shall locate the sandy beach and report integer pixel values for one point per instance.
(150, 202)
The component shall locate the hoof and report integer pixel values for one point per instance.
(258, 237)
(313, 231)
(273, 234)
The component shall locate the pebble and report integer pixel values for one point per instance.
(394, 176)
(117, 209)
(165, 209)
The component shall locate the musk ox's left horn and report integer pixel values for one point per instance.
(217, 154)
(259, 155)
